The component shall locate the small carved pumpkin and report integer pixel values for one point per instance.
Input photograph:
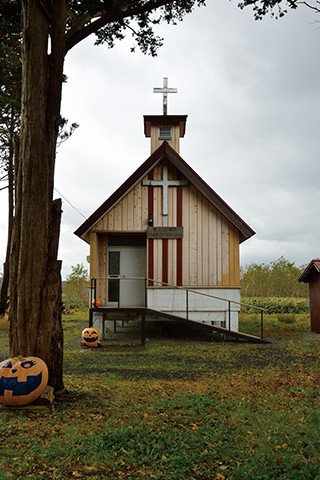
(96, 303)
(91, 336)
(22, 380)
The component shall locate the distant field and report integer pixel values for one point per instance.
(175, 409)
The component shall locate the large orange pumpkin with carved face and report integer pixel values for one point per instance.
(91, 336)
(22, 380)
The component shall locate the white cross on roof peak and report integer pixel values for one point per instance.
(165, 90)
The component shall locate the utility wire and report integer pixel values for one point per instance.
(75, 208)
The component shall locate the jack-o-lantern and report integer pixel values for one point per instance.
(91, 336)
(96, 303)
(22, 380)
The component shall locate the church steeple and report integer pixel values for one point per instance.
(165, 127)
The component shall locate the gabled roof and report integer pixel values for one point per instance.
(313, 267)
(165, 151)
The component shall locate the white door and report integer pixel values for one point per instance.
(124, 262)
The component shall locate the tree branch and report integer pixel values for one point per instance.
(316, 9)
(45, 11)
(4, 177)
(78, 23)
(118, 11)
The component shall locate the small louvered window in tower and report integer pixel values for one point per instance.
(165, 132)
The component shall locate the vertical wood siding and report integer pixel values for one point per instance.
(98, 262)
(102, 261)
(314, 295)
(174, 141)
(208, 254)
(210, 243)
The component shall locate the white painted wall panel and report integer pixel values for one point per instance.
(200, 307)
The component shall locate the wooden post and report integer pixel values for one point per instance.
(187, 304)
(143, 327)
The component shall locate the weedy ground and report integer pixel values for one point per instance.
(178, 408)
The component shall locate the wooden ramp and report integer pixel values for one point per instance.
(224, 332)
(210, 328)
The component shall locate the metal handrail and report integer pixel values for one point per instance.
(93, 289)
(206, 294)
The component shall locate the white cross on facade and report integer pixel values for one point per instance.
(165, 183)
(165, 90)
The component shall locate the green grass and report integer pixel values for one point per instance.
(174, 409)
(275, 326)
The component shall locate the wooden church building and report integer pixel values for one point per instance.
(164, 239)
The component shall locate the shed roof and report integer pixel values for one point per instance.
(165, 151)
(313, 267)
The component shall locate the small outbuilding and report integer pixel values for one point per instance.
(311, 275)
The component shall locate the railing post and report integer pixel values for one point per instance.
(119, 290)
(145, 292)
(90, 317)
(143, 328)
(92, 296)
(261, 324)
(91, 291)
(229, 308)
(187, 304)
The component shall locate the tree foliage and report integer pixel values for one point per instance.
(279, 278)
(76, 288)
(276, 8)
(10, 85)
(10, 100)
(110, 20)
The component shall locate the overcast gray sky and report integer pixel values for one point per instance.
(251, 91)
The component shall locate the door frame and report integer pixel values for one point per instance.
(119, 243)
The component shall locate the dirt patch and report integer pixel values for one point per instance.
(303, 337)
(262, 357)
(149, 366)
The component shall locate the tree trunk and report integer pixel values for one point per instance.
(35, 282)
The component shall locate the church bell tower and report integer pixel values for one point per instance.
(165, 127)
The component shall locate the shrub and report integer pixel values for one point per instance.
(276, 305)
(279, 277)
(76, 289)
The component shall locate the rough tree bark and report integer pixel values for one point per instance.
(35, 281)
